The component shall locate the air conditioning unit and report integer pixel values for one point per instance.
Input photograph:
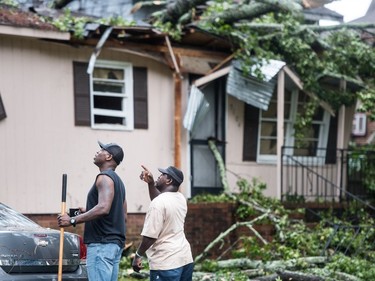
(359, 124)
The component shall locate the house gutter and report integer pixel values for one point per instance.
(34, 33)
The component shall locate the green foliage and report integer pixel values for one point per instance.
(254, 191)
(173, 30)
(210, 198)
(361, 164)
(367, 98)
(359, 267)
(294, 239)
(303, 122)
(232, 276)
(70, 23)
(310, 53)
(252, 249)
(116, 21)
(294, 198)
(11, 3)
(76, 25)
(210, 266)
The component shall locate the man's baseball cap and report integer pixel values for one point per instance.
(175, 173)
(115, 150)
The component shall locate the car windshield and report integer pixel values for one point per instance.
(11, 218)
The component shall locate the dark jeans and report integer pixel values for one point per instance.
(184, 273)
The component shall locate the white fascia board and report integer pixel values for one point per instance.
(34, 33)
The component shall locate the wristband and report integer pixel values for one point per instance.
(138, 255)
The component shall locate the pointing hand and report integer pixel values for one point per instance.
(146, 175)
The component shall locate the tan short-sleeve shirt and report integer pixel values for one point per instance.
(164, 221)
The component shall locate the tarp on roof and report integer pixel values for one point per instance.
(251, 89)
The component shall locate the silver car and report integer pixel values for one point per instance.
(30, 252)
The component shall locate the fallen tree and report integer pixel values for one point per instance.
(331, 266)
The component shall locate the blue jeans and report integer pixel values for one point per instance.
(184, 273)
(103, 261)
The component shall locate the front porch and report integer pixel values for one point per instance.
(332, 178)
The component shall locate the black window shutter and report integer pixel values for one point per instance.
(3, 114)
(250, 139)
(332, 141)
(140, 98)
(81, 94)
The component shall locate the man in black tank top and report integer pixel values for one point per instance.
(104, 216)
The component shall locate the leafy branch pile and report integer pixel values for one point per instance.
(297, 251)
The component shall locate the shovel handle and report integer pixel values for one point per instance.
(63, 207)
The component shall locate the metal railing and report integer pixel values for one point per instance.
(353, 240)
(326, 178)
(330, 178)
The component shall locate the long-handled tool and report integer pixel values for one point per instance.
(63, 207)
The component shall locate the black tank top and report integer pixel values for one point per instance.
(110, 228)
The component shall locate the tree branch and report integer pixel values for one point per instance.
(59, 4)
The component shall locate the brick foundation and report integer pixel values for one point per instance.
(204, 222)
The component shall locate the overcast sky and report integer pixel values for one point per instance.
(350, 9)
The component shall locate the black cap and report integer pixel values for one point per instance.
(115, 150)
(175, 173)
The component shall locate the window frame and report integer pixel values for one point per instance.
(289, 140)
(127, 111)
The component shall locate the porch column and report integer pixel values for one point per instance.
(341, 120)
(341, 136)
(177, 120)
(280, 127)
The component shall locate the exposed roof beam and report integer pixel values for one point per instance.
(155, 48)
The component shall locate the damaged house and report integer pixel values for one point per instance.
(163, 100)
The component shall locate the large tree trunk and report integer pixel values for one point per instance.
(289, 275)
(255, 10)
(179, 8)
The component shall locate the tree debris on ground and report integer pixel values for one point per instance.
(329, 266)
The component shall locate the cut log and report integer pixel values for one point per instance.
(271, 277)
(297, 276)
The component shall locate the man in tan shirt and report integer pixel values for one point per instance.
(163, 238)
